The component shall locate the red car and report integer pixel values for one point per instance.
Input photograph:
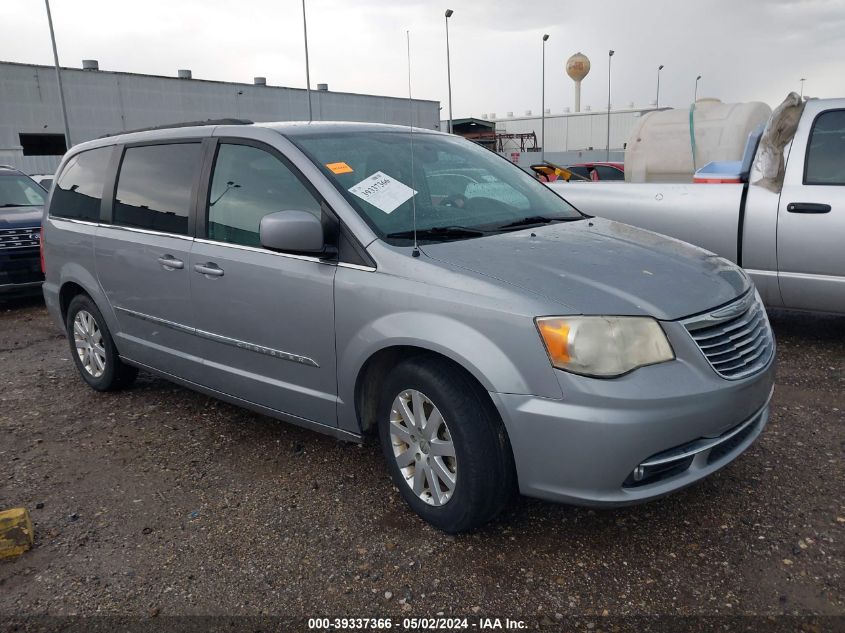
(599, 171)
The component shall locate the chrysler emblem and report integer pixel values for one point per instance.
(735, 309)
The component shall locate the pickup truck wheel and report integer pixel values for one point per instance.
(445, 446)
(92, 347)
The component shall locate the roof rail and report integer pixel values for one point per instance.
(185, 124)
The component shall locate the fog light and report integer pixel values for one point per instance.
(639, 473)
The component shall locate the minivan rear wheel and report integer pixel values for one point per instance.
(445, 445)
(92, 347)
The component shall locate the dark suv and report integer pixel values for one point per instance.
(21, 207)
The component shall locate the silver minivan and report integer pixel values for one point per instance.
(357, 278)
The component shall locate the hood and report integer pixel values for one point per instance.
(20, 217)
(598, 266)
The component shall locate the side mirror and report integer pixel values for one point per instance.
(292, 232)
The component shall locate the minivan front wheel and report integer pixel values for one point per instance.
(445, 445)
(92, 347)
(423, 448)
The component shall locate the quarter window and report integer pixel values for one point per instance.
(154, 187)
(79, 189)
(827, 147)
(249, 183)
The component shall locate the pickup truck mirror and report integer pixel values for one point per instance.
(292, 231)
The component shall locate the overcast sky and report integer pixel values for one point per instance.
(745, 50)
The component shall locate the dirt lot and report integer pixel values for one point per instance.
(161, 501)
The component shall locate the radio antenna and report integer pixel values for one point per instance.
(416, 251)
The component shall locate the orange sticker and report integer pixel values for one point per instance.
(339, 168)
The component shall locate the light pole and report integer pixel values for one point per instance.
(449, 13)
(803, 79)
(695, 94)
(307, 70)
(543, 108)
(609, 57)
(657, 99)
(58, 75)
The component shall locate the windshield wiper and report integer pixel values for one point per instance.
(12, 204)
(534, 219)
(438, 232)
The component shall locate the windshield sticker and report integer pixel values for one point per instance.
(339, 168)
(383, 192)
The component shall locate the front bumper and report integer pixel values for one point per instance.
(679, 420)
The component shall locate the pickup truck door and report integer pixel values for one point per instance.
(811, 214)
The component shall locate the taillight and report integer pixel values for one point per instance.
(41, 250)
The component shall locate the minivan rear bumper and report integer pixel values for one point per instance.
(675, 421)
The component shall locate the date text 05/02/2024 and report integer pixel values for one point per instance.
(416, 624)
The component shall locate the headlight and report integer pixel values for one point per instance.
(603, 346)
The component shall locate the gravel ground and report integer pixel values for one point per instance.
(159, 500)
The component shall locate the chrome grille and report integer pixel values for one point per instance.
(20, 238)
(736, 340)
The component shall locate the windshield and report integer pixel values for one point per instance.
(20, 191)
(458, 189)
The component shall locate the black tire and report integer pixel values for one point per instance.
(485, 475)
(115, 374)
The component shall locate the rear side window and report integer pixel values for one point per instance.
(825, 165)
(248, 183)
(609, 173)
(154, 187)
(79, 189)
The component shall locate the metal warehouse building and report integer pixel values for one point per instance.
(104, 102)
(578, 130)
(570, 136)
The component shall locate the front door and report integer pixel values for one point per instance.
(811, 217)
(264, 320)
(142, 256)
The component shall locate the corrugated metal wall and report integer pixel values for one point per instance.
(577, 131)
(101, 102)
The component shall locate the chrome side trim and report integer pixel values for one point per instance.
(369, 269)
(762, 273)
(260, 349)
(267, 251)
(255, 249)
(218, 338)
(813, 277)
(55, 218)
(173, 325)
(133, 229)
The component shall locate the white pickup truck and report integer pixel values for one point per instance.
(788, 232)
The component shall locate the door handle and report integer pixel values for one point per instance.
(807, 207)
(213, 270)
(170, 262)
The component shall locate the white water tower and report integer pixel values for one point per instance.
(577, 68)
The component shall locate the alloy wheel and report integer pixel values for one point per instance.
(89, 343)
(423, 447)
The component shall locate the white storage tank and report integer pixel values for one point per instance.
(660, 148)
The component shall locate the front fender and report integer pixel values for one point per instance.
(526, 371)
